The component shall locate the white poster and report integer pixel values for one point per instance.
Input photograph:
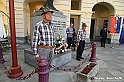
(2, 29)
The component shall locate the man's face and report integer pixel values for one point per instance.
(105, 28)
(83, 27)
(47, 16)
(71, 25)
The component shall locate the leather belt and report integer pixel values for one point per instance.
(46, 47)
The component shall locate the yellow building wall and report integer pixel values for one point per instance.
(4, 17)
(21, 31)
(23, 19)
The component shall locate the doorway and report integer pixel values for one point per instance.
(92, 29)
(75, 19)
(101, 14)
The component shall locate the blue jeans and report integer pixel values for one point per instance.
(69, 41)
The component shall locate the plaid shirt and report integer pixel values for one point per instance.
(81, 35)
(43, 35)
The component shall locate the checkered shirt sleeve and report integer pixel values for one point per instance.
(43, 35)
(81, 35)
(35, 40)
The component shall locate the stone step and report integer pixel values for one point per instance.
(58, 60)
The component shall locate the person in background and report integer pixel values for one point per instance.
(43, 37)
(103, 36)
(81, 37)
(74, 39)
(69, 32)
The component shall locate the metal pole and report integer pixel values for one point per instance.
(113, 41)
(43, 71)
(93, 54)
(15, 69)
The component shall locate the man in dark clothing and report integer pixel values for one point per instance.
(81, 37)
(103, 36)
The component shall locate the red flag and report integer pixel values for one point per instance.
(113, 25)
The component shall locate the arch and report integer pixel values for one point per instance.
(108, 5)
(101, 15)
(30, 6)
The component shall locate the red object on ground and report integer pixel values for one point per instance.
(85, 70)
(43, 71)
(15, 69)
(88, 68)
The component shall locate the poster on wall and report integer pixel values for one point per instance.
(2, 29)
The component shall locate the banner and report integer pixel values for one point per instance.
(119, 24)
(2, 29)
(121, 36)
(113, 25)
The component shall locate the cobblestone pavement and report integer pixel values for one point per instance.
(110, 61)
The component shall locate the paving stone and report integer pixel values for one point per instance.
(103, 73)
(60, 77)
(103, 57)
(113, 64)
(121, 65)
(120, 59)
(116, 73)
(110, 62)
(102, 64)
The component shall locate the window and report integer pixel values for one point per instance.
(75, 4)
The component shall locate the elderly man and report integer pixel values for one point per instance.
(81, 37)
(43, 37)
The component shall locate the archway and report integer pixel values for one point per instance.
(31, 6)
(101, 15)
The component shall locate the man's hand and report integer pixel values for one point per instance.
(70, 32)
(37, 57)
(77, 43)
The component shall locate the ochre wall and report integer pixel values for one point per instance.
(22, 12)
